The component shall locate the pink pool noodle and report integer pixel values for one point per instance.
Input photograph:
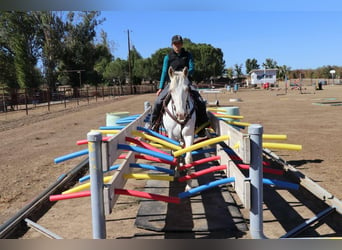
(202, 172)
(204, 160)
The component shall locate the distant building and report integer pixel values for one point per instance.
(261, 76)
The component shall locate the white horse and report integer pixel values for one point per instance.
(180, 116)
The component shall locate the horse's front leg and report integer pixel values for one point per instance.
(188, 141)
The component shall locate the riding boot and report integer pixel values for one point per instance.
(157, 108)
(201, 111)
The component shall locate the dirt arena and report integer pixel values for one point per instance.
(29, 145)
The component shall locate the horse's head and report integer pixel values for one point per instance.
(179, 89)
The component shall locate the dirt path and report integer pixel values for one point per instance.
(30, 143)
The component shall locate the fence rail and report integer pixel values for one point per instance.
(30, 98)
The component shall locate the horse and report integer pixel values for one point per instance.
(180, 115)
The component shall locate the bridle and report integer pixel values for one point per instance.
(171, 114)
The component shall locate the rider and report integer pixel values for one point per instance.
(178, 58)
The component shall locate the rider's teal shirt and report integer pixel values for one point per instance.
(165, 68)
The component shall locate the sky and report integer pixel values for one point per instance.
(298, 39)
(301, 34)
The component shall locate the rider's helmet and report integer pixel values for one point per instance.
(176, 38)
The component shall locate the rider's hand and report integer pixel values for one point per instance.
(159, 91)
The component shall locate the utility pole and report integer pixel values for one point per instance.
(129, 63)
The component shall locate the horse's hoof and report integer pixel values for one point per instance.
(187, 188)
(188, 185)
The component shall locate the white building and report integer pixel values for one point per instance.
(261, 76)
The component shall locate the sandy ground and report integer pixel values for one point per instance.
(29, 145)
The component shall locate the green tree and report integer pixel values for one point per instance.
(157, 59)
(238, 70)
(116, 71)
(270, 64)
(51, 30)
(19, 42)
(251, 64)
(79, 49)
(283, 71)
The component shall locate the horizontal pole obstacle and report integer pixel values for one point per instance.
(203, 151)
(87, 177)
(145, 145)
(282, 146)
(265, 170)
(202, 172)
(155, 139)
(85, 186)
(134, 193)
(205, 187)
(200, 145)
(274, 137)
(149, 177)
(145, 151)
(202, 126)
(280, 184)
(112, 131)
(201, 161)
(71, 156)
(160, 136)
(150, 196)
(111, 127)
(150, 167)
(156, 159)
(85, 141)
(58, 197)
(228, 116)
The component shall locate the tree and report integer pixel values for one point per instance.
(251, 64)
(157, 59)
(116, 71)
(20, 46)
(283, 71)
(270, 63)
(103, 57)
(208, 60)
(238, 70)
(51, 30)
(79, 49)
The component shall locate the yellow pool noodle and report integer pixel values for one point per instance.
(84, 186)
(229, 116)
(216, 109)
(200, 145)
(149, 177)
(274, 137)
(155, 139)
(244, 124)
(281, 146)
(201, 127)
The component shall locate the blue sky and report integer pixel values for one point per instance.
(299, 39)
(301, 34)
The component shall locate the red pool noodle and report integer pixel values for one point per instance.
(87, 193)
(144, 145)
(204, 160)
(148, 195)
(237, 158)
(202, 172)
(85, 141)
(155, 159)
(265, 170)
(59, 197)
